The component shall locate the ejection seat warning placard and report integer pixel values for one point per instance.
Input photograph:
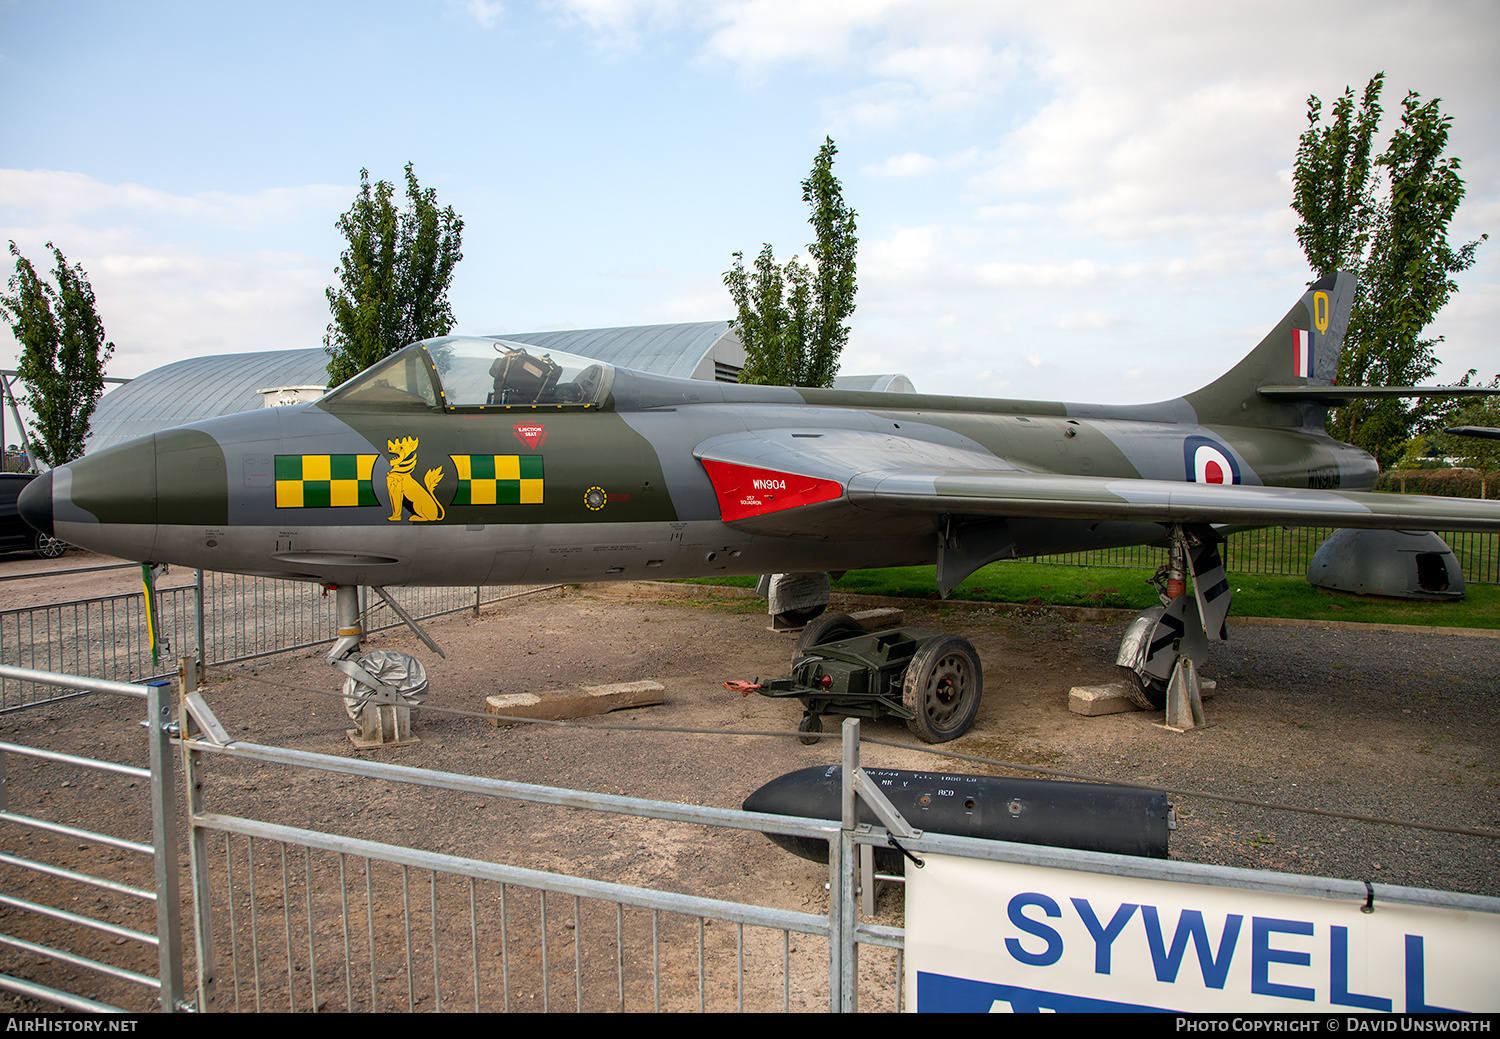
(997, 937)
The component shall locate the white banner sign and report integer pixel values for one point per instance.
(992, 936)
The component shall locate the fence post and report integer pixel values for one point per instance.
(198, 618)
(164, 847)
(192, 767)
(843, 949)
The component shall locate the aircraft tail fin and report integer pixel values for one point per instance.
(1287, 379)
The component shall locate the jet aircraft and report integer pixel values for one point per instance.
(468, 460)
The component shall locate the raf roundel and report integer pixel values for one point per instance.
(1207, 461)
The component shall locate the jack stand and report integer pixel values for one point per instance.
(384, 720)
(1184, 697)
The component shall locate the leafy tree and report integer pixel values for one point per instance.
(394, 276)
(791, 318)
(1385, 217)
(63, 352)
(1474, 452)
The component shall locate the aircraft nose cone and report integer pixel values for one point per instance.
(35, 503)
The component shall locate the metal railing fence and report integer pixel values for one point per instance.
(76, 909)
(305, 920)
(1287, 552)
(231, 617)
(297, 919)
(294, 918)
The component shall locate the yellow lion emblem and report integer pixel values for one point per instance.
(404, 487)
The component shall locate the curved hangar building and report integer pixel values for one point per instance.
(205, 387)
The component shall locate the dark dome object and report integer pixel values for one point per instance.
(1401, 564)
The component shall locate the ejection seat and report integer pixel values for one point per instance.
(523, 379)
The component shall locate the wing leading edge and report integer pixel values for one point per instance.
(816, 482)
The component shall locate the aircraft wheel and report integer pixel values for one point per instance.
(48, 547)
(810, 723)
(942, 688)
(394, 668)
(1149, 694)
(828, 628)
(800, 618)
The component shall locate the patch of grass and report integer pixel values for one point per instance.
(1255, 595)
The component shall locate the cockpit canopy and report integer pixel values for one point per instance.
(476, 372)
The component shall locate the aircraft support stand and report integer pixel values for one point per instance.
(380, 688)
(1184, 697)
(1165, 645)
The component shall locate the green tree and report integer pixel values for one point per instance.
(1474, 452)
(791, 318)
(63, 352)
(394, 275)
(1385, 217)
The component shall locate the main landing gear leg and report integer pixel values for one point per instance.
(1164, 646)
(380, 688)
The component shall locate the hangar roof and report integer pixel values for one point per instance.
(196, 389)
(687, 351)
(205, 387)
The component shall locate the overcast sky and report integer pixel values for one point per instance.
(1076, 201)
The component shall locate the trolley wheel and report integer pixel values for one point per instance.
(831, 627)
(810, 723)
(1149, 694)
(942, 688)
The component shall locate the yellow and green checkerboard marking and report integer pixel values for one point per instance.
(322, 481)
(498, 479)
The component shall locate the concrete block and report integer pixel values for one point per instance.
(883, 617)
(583, 702)
(1094, 700)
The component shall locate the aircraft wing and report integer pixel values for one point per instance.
(805, 482)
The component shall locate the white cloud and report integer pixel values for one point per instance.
(62, 195)
(754, 34)
(485, 12)
(620, 24)
(907, 164)
(182, 275)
